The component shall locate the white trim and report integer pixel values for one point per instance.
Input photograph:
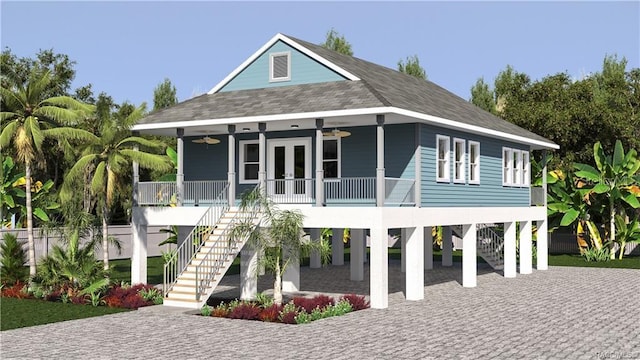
(349, 112)
(461, 179)
(507, 171)
(517, 168)
(526, 169)
(447, 159)
(241, 163)
(470, 128)
(273, 55)
(294, 45)
(477, 170)
(339, 151)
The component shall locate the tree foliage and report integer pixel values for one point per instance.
(482, 96)
(337, 42)
(574, 113)
(411, 66)
(164, 95)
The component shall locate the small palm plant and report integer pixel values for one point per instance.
(12, 260)
(278, 237)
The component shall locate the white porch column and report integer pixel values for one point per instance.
(509, 249)
(231, 174)
(180, 173)
(525, 247)
(314, 258)
(379, 268)
(380, 183)
(291, 276)
(337, 247)
(447, 246)
(428, 248)
(357, 255)
(319, 165)
(542, 255)
(403, 249)
(136, 176)
(248, 273)
(262, 153)
(469, 261)
(139, 249)
(414, 276)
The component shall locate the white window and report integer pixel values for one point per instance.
(280, 66)
(517, 167)
(507, 166)
(474, 162)
(526, 169)
(331, 157)
(249, 161)
(443, 149)
(458, 161)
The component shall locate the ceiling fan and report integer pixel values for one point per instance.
(337, 133)
(207, 140)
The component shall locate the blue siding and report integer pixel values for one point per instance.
(205, 162)
(209, 162)
(490, 191)
(304, 70)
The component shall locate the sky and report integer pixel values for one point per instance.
(127, 48)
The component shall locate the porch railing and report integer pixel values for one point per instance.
(350, 190)
(203, 191)
(291, 191)
(537, 196)
(163, 193)
(399, 192)
(157, 193)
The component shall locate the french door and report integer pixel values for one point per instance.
(289, 171)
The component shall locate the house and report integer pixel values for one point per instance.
(351, 144)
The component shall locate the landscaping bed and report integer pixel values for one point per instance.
(299, 310)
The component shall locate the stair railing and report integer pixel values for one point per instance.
(183, 255)
(225, 245)
(490, 243)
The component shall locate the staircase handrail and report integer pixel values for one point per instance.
(207, 268)
(495, 243)
(184, 254)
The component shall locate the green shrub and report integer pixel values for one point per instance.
(264, 300)
(205, 310)
(302, 317)
(13, 258)
(596, 255)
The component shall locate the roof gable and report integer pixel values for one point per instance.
(306, 68)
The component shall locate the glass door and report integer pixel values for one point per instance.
(289, 170)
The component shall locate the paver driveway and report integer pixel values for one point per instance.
(562, 313)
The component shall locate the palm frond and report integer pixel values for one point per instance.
(11, 100)
(136, 115)
(69, 133)
(98, 181)
(153, 144)
(75, 173)
(38, 83)
(69, 103)
(149, 161)
(33, 129)
(8, 133)
(58, 114)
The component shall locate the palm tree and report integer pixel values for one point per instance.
(28, 118)
(108, 158)
(278, 237)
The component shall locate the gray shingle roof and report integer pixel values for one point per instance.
(379, 86)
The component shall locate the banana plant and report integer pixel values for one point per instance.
(628, 232)
(42, 200)
(566, 205)
(614, 180)
(10, 191)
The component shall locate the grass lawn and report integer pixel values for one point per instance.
(628, 262)
(18, 313)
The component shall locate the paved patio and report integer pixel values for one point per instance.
(562, 313)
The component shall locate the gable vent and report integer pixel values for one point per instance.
(280, 66)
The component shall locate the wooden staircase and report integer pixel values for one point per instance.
(184, 293)
(489, 245)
